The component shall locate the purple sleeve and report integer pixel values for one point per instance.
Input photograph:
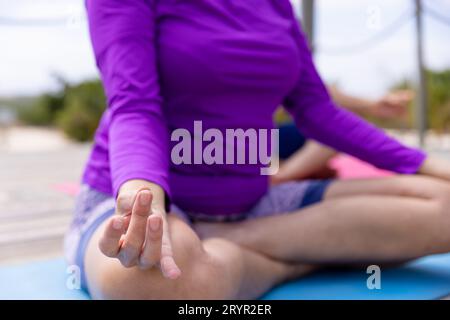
(318, 118)
(122, 34)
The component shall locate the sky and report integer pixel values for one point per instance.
(31, 55)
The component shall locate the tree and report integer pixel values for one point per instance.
(83, 108)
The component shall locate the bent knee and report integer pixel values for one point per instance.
(433, 233)
(205, 272)
(204, 277)
(441, 190)
(427, 187)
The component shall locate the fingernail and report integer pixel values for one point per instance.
(144, 198)
(174, 273)
(118, 223)
(154, 224)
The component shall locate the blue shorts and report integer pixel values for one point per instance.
(290, 139)
(94, 207)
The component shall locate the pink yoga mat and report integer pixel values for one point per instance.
(69, 188)
(348, 167)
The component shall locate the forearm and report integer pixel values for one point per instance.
(138, 149)
(352, 103)
(346, 132)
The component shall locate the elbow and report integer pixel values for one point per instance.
(126, 107)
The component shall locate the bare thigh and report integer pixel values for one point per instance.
(211, 269)
(374, 221)
(420, 187)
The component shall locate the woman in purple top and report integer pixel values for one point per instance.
(208, 69)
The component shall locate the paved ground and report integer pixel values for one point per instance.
(34, 214)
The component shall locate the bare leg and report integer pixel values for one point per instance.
(357, 223)
(211, 269)
(410, 186)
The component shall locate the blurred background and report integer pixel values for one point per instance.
(51, 98)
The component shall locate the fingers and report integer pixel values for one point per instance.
(399, 99)
(125, 202)
(169, 268)
(151, 254)
(158, 248)
(109, 244)
(135, 236)
(138, 238)
(167, 263)
(407, 95)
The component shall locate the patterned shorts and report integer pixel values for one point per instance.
(94, 207)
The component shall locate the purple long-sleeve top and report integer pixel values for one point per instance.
(230, 64)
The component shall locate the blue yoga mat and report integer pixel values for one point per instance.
(427, 278)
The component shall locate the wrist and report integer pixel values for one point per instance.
(134, 185)
(370, 106)
(435, 167)
(363, 107)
